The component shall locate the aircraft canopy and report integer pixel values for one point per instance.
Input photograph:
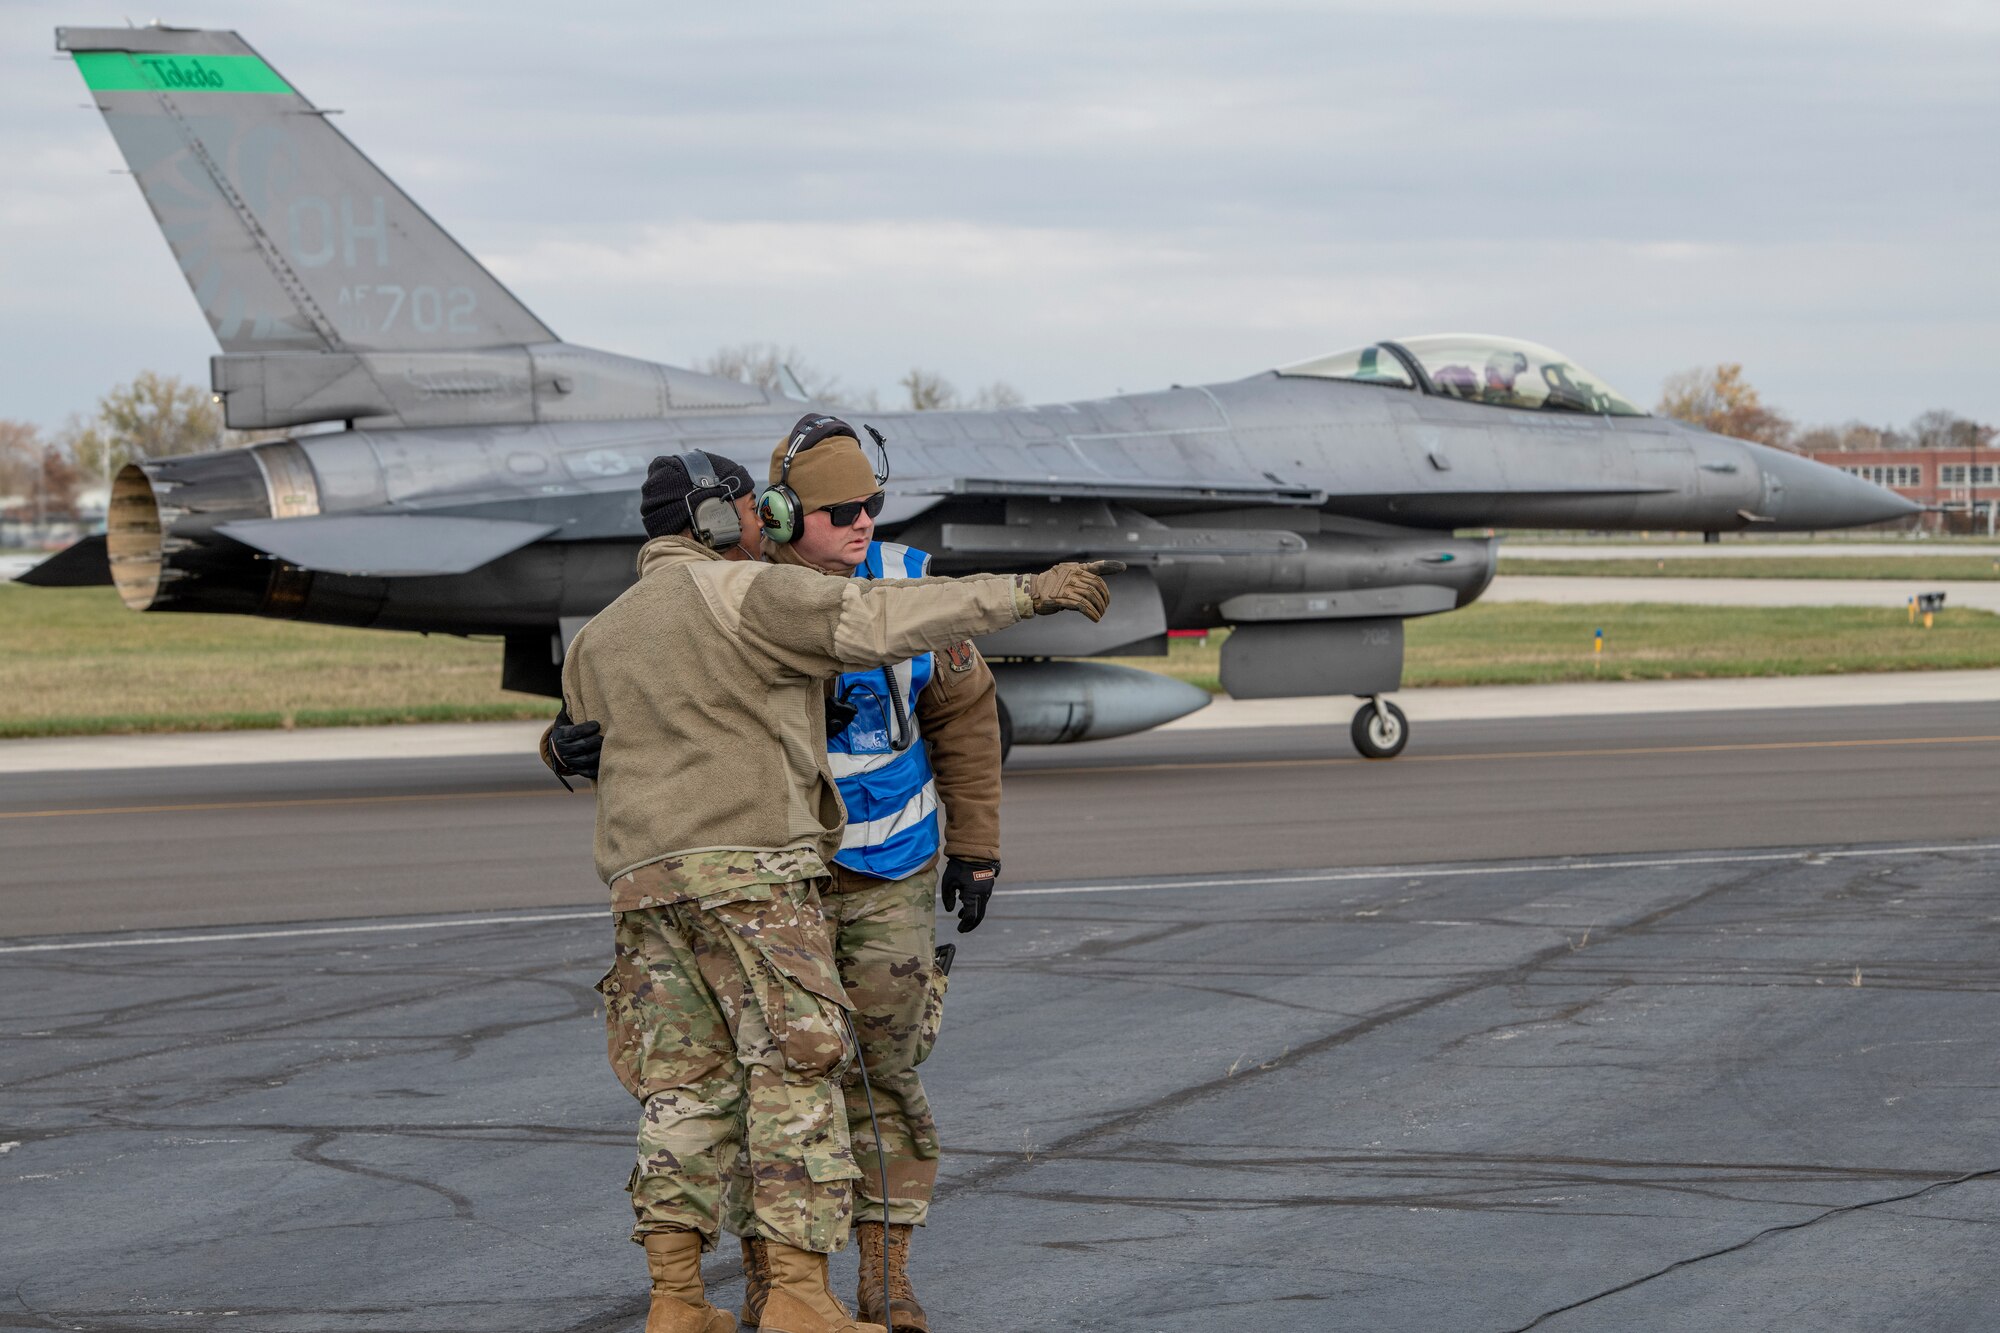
(1478, 368)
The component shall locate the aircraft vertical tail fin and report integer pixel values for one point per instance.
(291, 239)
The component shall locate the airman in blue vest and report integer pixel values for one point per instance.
(916, 755)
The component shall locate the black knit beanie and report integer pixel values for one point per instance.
(663, 499)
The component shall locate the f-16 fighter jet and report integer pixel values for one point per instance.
(483, 475)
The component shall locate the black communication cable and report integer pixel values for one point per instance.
(881, 1154)
(902, 739)
(901, 733)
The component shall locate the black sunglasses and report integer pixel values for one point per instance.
(843, 515)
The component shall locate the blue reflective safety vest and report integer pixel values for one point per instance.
(890, 794)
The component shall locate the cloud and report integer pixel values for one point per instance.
(1081, 197)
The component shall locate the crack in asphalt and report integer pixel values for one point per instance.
(432, 985)
(1747, 1242)
(310, 1151)
(1512, 974)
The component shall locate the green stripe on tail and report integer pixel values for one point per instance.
(118, 72)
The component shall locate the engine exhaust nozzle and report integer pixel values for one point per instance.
(161, 538)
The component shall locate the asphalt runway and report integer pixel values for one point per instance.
(1671, 1023)
(228, 844)
(1730, 1090)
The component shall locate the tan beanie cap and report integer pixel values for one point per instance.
(832, 471)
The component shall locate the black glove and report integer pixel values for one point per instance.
(973, 882)
(577, 745)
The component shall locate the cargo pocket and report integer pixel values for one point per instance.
(808, 1025)
(804, 1004)
(624, 1034)
(933, 1019)
(821, 1134)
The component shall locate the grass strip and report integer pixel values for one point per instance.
(112, 725)
(73, 661)
(1533, 643)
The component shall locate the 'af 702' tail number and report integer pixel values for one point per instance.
(375, 308)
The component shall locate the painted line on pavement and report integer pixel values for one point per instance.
(1725, 748)
(300, 932)
(1459, 872)
(1155, 886)
(284, 804)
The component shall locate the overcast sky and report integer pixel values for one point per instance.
(1079, 198)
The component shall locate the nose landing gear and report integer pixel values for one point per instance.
(1379, 729)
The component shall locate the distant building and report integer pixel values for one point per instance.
(1962, 484)
(25, 525)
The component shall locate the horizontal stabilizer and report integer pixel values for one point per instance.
(83, 565)
(386, 545)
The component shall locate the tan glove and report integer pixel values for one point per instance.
(1072, 586)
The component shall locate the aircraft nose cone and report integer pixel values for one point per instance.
(1802, 495)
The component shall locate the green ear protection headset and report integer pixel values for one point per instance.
(779, 512)
(712, 518)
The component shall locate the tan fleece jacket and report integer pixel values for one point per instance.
(705, 677)
(958, 716)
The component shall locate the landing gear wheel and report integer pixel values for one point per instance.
(1006, 730)
(1380, 730)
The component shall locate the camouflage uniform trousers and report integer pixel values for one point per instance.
(725, 1017)
(883, 936)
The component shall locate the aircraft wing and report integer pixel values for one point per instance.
(386, 545)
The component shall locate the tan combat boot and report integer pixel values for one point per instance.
(800, 1301)
(902, 1313)
(756, 1281)
(679, 1304)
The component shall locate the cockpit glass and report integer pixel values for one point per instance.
(1507, 372)
(1368, 365)
(1477, 368)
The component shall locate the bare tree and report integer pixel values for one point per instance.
(20, 458)
(154, 416)
(1940, 429)
(1718, 398)
(998, 394)
(928, 391)
(35, 476)
(1935, 429)
(765, 364)
(56, 485)
(1851, 436)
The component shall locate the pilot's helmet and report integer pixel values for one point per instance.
(1503, 367)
